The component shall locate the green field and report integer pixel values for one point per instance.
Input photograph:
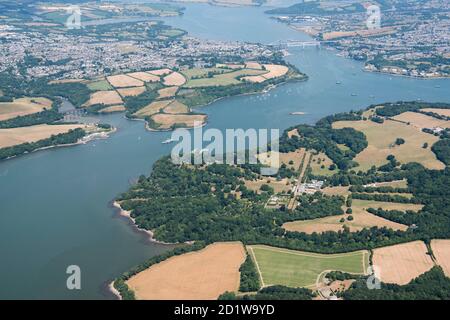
(101, 85)
(225, 79)
(301, 269)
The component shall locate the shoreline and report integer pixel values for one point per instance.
(149, 234)
(267, 89)
(114, 291)
(83, 140)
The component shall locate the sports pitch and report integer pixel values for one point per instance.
(292, 268)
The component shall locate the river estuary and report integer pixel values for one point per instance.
(55, 205)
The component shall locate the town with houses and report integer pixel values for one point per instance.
(412, 39)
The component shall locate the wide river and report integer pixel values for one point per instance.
(55, 205)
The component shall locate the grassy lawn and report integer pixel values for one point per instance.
(381, 138)
(361, 218)
(101, 85)
(320, 165)
(225, 79)
(302, 269)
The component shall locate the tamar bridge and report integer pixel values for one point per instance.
(296, 43)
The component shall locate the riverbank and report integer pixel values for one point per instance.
(83, 140)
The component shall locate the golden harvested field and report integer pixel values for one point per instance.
(272, 71)
(441, 251)
(402, 263)
(144, 76)
(176, 107)
(15, 136)
(361, 218)
(134, 91)
(253, 65)
(166, 121)
(381, 137)
(279, 186)
(255, 79)
(421, 121)
(395, 184)
(200, 275)
(174, 79)
(117, 108)
(275, 71)
(336, 191)
(105, 97)
(167, 92)
(295, 156)
(152, 108)
(224, 79)
(23, 107)
(123, 81)
(160, 72)
(442, 112)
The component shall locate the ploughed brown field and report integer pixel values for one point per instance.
(16, 136)
(200, 275)
(23, 107)
(441, 251)
(402, 263)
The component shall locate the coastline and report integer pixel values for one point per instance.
(114, 291)
(84, 140)
(268, 88)
(148, 233)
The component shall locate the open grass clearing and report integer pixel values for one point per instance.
(293, 268)
(381, 139)
(361, 218)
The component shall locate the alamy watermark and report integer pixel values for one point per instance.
(73, 282)
(74, 19)
(236, 147)
(374, 17)
(373, 281)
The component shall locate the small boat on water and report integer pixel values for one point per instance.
(353, 94)
(338, 82)
(170, 140)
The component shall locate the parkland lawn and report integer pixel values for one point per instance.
(291, 268)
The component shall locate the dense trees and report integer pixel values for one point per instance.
(249, 276)
(325, 139)
(273, 293)
(432, 285)
(442, 150)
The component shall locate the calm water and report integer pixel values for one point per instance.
(55, 205)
